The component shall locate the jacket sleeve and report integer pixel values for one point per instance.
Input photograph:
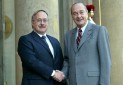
(66, 58)
(105, 56)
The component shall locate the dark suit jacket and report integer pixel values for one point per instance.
(37, 60)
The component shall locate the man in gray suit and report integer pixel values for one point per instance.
(87, 52)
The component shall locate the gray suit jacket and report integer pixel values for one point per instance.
(90, 63)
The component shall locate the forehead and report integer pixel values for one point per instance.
(78, 7)
(41, 14)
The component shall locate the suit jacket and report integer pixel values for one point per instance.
(90, 63)
(37, 60)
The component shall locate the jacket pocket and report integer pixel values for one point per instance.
(93, 73)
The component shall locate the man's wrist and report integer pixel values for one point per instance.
(53, 73)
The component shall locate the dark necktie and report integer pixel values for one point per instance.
(79, 37)
(44, 39)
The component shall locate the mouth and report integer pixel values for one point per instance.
(41, 26)
(80, 20)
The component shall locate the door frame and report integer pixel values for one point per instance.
(1, 45)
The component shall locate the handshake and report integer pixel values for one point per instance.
(58, 76)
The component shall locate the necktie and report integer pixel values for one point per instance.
(44, 39)
(48, 45)
(79, 37)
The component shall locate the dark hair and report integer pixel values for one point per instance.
(38, 12)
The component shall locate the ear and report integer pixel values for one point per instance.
(32, 24)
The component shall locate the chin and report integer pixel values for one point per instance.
(80, 25)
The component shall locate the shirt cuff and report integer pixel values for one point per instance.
(53, 73)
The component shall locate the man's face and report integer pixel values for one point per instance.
(40, 22)
(79, 14)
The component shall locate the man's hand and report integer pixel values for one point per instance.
(58, 76)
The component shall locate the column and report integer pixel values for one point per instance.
(9, 42)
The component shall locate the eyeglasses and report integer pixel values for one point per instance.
(42, 20)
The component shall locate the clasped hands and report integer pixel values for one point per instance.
(58, 76)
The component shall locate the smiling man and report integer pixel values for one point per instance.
(41, 54)
(87, 59)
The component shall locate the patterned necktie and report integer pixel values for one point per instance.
(79, 37)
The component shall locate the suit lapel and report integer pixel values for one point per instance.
(40, 41)
(73, 39)
(86, 35)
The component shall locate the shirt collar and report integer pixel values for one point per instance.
(40, 34)
(83, 28)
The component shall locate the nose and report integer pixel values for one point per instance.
(42, 22)
(79, 15)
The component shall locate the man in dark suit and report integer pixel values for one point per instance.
(41, 54)
(87, 53)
